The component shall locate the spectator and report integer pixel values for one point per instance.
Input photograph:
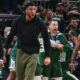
(59, 16)
(43, 14)
(51, 4)
(40, 8)
(49, 15)
(75, 55)
(18, 8)
(73, 25)
(72, 38)
(74, 12)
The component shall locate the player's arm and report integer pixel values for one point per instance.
(4, 55)
(9, 39)
(47, 47)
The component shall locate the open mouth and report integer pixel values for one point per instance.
(32, 15)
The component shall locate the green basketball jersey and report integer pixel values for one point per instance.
(13, 52)
(41, 51)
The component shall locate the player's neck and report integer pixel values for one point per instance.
(53, 33)
(28, 18)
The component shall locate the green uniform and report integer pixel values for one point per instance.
(57, 56)
(65, 57)
(0, 72)
(54, 69)
(13, 58)
(67, 76)
(55, 65)
(65, 64)
(39, 68)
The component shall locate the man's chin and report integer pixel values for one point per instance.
(32, 17)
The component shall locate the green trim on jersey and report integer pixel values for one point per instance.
(13, 53)
(41, 51)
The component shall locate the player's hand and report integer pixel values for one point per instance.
(4, 55)
(59, 46)
(1, 63)
(47, 61)
(4, 59)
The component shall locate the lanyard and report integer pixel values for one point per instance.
(52, 37)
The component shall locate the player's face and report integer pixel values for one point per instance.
(31, 11)
(54, 26)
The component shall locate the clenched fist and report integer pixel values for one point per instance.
(47, 61)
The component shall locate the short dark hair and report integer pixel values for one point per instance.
(26, 4)
(73, 18)
(53, 19)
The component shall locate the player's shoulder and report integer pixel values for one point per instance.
(39, 19)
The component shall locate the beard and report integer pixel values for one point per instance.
(73, 27)
(31, 16)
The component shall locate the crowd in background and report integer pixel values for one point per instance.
(68, 17)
